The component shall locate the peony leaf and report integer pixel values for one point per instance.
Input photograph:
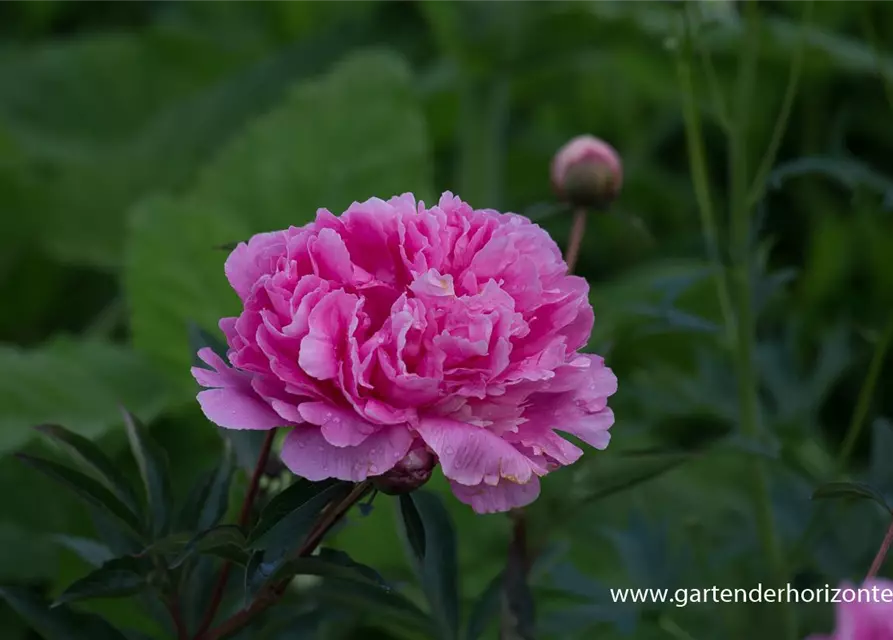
(850, 491)
(117, 578)
(152, 463)
(92, 457)
(431, 538)
(303, 155)
(92, 552)
(58, 623)
(88, 489)
(208, 499)
(226, 541)
(287, 519)
(382, 605)
(75, 383)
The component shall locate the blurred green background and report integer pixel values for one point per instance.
(137, 138)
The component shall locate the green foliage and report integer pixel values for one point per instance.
(140, 143)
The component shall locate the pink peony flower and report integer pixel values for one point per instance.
(396, 326)
(867, 616)
(587, 172)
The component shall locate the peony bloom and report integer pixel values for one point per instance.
(396, 326)
(587, 172)
(867, 616)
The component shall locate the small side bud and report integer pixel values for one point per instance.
(586, 172)
(409, 474)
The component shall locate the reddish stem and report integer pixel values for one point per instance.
(173, 607)
(244, 515)
(575, 240)
(272, 595)
(881, 554)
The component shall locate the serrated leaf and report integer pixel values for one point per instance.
(87, 489)
(91, 551)
(851, 491)
(434, 556)
(76, 383)
(152, 463)
(227, 540)
(287, 519)
(58, 623)
(93, 458)
(485, 610)
(117, 578)
(301, 156)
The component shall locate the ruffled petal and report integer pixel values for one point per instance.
(471, 455)
(340, 427)
(308, 454)
(505, 496)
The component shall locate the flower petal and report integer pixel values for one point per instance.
(471, 455)
(505, 496)
(235, 409)
(340, 427)
(308, 454)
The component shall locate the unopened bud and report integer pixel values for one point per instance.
(409, 474)
(587, 172)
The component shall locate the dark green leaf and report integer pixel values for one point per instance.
(88, 489)
(208, 499)
(485, 610)
(227, 540)
(200, 339)
(380, 604)
(287, 519)
(436, 564)
(336, 556)
(91, 456)
(153, 466)
(851, 491)
(324, 568)
(91, 551)
(258, 572)
(116, 578)
(58, 623)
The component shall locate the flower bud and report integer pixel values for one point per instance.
(409, 474)
(587, 172)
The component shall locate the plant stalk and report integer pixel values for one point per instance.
(244, 515)
(745, 326)
(881, 554)
(272, 595)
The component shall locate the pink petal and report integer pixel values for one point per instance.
(321, 349)
(235, 409)
(340, 427)
(248, 262)
(504, 496)
(471, 455)
(307, 453)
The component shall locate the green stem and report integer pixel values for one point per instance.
(701, 183)
(781, 122)
(863, 402)
(742, 291)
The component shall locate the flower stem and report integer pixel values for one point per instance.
(881, 554)
(272, 595)
(742, 291)
(575, 239)
(244, 515)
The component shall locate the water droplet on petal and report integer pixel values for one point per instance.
(301, 444)
(449, 451)
(373, 469)
(321, 448)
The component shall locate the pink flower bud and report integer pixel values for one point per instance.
(409, 474)
(587, 172)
